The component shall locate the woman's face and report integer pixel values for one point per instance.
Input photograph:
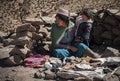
(60, 22)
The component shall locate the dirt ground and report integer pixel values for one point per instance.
(18, 73)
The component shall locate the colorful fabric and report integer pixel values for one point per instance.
(36, 60)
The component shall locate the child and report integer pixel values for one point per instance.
(85, 25)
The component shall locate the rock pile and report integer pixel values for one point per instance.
(13, 12)
(107, 27)
(26, 37)
(22, 40)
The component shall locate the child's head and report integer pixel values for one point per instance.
(87, 12)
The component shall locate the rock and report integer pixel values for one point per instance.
(111, 65)
(48, 19)
(25, 33)
(108, 27)
(116, 41)
(55, 60)
(110, 77)
(13, 60)
(11, 46)
(42, 69)
(39, 75)
(7, 42)
(4, 52)
(116, 31)
(22, 52)
(47, 65)
(43, 31)
(107, 35)
(117, 71)
(69, 66)
(46, 47)
(69, 59)
(13, 36)
(84, 66)
(1, 45)
(48, 28)
(21, 41)
(110, 52)
(70, 74)
(83, 79)
(73, 14)
(50, 75)
(25, 27)
(97, 79)
(1, 39)
(90, 74)
(35, 21)
(98, 30)
(110, 20)
(40, 21)
(2, 34)
(107, 42)
(114, 11)
(37, 36)
(55, 63)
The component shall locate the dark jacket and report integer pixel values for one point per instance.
(83, 31)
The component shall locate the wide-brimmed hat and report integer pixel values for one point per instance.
(63, 12)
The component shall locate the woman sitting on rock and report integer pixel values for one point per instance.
(62, 34)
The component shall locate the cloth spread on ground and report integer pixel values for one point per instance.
(36, 60)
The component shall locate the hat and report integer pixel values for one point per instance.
(63, 12)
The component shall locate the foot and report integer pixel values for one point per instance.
(96, 55)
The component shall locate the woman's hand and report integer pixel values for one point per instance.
(72, 48)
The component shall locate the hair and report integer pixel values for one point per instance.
(63, 18)
(88, 12)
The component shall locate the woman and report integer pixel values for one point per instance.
(62, 34)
